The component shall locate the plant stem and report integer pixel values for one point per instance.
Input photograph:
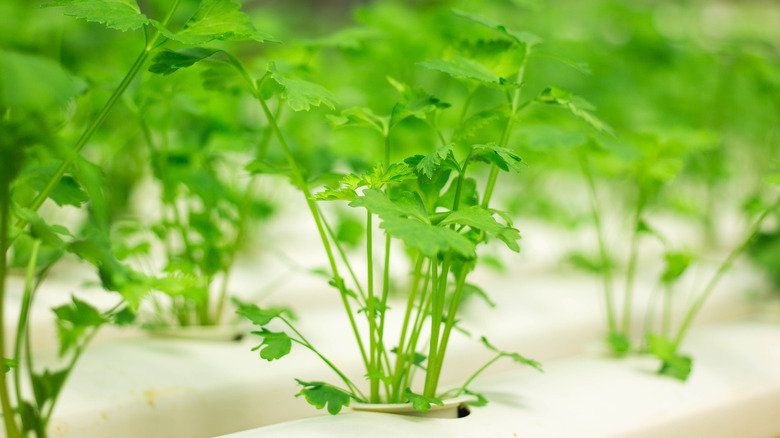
(629, 291)
(11, 427)
(370, 311)
(241, 229)
(478, 372)
(93, 127)
(736, 252)
(514, 100)
(303, 341)
(667, 315)
(435, 326)
(240, 234)
(605, 263)
(21, 327)
(450, 323)
(400, 350)
(315, 214)
(422, 311)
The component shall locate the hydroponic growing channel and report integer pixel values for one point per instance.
(418, 218)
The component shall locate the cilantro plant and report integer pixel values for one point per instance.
(431, 203)
(30, 88)
(191, 270)
(664, 344)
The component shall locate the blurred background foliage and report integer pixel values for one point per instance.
(691, 89)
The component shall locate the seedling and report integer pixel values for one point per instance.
(429, 202)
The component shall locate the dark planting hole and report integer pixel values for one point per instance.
(463, 411)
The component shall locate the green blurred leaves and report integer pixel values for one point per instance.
(321, 394)
(122, 15)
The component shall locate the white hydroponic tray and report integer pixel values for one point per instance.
(172, 388)
(734, 391)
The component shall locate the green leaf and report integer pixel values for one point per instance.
(73, 321)
(47, 385)
(429, 239)
(619, 343)
(300, 94)
(481, 399)
(501, 157)
(673, 364)
(518, 37)
(31, 418)
(418, 108)
(8, 364)
(275, 345)
(215, 20)
(35, 83)
(320, 394)
(122, 15)
(68, 192)
(514, 356)
(379, 204)
(416, 361)
(677, 366)
(577, 105)
(482, 219)
(474, 290)
(464, 68)
(168, 61)
(361, 117)
(676, 265)
(473, 124)
(421, 402)
(123, 317)
(255, 314)
(39, 229)
(434, 161)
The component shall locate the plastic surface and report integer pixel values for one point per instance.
(734, 391)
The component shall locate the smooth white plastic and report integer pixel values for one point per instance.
(734, 391)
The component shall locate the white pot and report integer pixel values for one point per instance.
(452, 408)
(217, 333)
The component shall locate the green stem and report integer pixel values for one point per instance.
(21, 327)
(422, 312)
(303, 341)
(514, 100)
(93, 127)
(46, 416)
(301, 182)
(11, 427)
(449, 324)
(240, 235)
(736, 252)
(478, 372)
(629, 291)
(667, 316)
(400, 350)
(246, 203)
(370, 312)
(344, 258)
(439, 289)
(605, 263)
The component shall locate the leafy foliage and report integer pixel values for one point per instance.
(420, 402)
(673, 364)
(300, 94)
(321, 394)
(122, 15)
(215, 20)
(275, 345)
